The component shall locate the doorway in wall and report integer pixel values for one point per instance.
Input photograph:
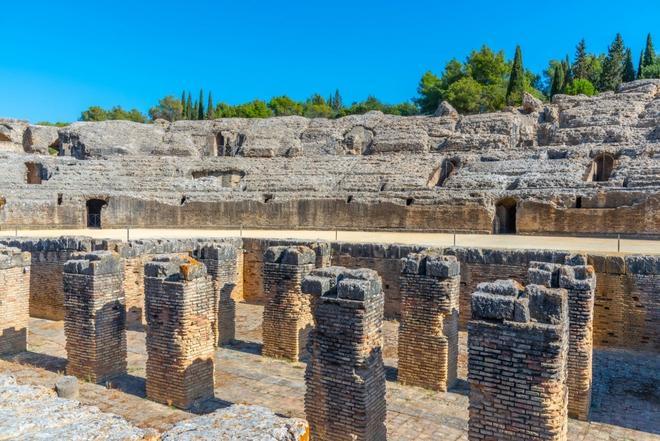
(505, 217)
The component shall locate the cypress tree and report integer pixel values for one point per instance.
(580, 67)
(612, 74)
(649, 52)
(209, 108)
(183, 103)
(557, 80)
(629, 68)
(189, 107)
(568, 73)
(516, 87)
(640, 65)
(337, 103)
(200, 105)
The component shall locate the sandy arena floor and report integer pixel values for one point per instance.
(626, 401)
(611, 245)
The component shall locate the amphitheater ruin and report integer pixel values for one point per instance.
(242, 337)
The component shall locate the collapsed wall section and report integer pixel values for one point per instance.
(179, 302)
(287, 316)
(95, 316)
(14, 300)
(517, 352)
(345, 377)
(428, 330)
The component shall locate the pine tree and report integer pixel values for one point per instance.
(189, 107)
(612, 74)
(649, 52)
(568, 73)
(209, 108)
(557, 80)
(516, 87)
(640, 65)
(628, 68)
(200, 105)
(580, 66)
(337, 103)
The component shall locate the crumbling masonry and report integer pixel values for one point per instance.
(287, 315)
(517, 351)
(14, 300)
(221, 260)
(579, 280)
(428, 331)
(95, 316)
(345, 377)
(179, 306)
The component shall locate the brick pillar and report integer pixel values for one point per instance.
(579, 280)
(345, 377)
(14, 300)
(179, 307)
(428, 331)
(221, 260)
(517, 351)
(95, 316)
(287, 315)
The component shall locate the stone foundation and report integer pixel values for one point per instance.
(345, 377)
(287, 313)
(14, 300)
(95, 316)
(428, 330)
(180, 338)
(221, 261)
(579, 280)
(517, 354)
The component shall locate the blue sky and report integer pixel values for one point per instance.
(59, 57)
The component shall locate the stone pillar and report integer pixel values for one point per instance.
(287, 315)
(579, 280)
(221, 260)
(14, 300)
(428, 331)
(95, 316)
(180, 350)
(345, 377)
(517, 351)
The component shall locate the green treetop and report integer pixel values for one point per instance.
(516, 87)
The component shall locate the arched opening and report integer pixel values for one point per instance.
(94, 208)
(601, 167)
(505, 217)
(447, 169)
(34, 173)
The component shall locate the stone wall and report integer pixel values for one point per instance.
(48, 258)
(428, 333)
(385, 259)
(14, 300)
(95, 316)
(180, 338)
(517, 351)
(287, 316)
(345, 377)
(254, 249)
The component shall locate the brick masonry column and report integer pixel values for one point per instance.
(428, 331)
(221, 261)
(95, 316)
(180, 351)
(517, 351)
(579, 280)
(14, 300)
(287, 316)
(345, 377)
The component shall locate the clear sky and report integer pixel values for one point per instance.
(59, 57)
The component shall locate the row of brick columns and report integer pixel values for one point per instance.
(529, 347)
